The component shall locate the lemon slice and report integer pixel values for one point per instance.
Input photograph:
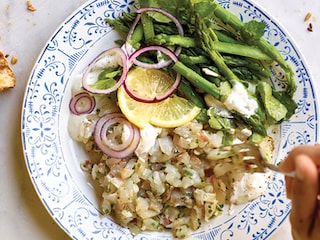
(172, 112)
(148, 85)
(136, 112)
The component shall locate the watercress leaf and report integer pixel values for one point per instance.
(204, 8)
(177, 8)
(276, 111)
(104, 84)
(252, 31)
(109, 73)
(287, 101)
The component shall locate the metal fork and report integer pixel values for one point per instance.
(254, 158)
(250, 153)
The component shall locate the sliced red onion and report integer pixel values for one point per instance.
(116, 150)
(165, 13)
(109, 52)
(128, 48)
(174, 86)
(159, 65)
(137, 19)
(82, 103)
(105, 130)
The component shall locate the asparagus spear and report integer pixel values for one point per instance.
(245, 73)
(188, 91)
(123, 22)
(147, 25)
(222, 47)
(245, 30)
(247, 68)
(223, 37)
(197, 80)
(208, 38)
(255, 66)
(256, 121)
(193, 60)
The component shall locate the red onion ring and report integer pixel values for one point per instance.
(119, 118)
(127, 46)
(159, 10)
(165, 13)
(169, 53)
(174, 86)
(122, 150)
(110, 51)
(82, 103)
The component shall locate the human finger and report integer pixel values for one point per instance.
(304, 191)
(289, 181)
(312, 151)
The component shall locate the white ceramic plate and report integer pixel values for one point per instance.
(53, 159)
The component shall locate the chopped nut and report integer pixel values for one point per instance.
(307, 17)
(14, 60)
(30, 7)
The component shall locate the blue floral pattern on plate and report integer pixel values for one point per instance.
(52, 158)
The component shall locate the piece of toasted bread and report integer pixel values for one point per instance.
(7, 76)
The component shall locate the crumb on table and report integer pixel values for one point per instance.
(30, 7)
(7, 76)
(14, 60)
(307, 17)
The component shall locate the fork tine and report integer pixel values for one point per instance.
(251, 155)
(246, 157)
